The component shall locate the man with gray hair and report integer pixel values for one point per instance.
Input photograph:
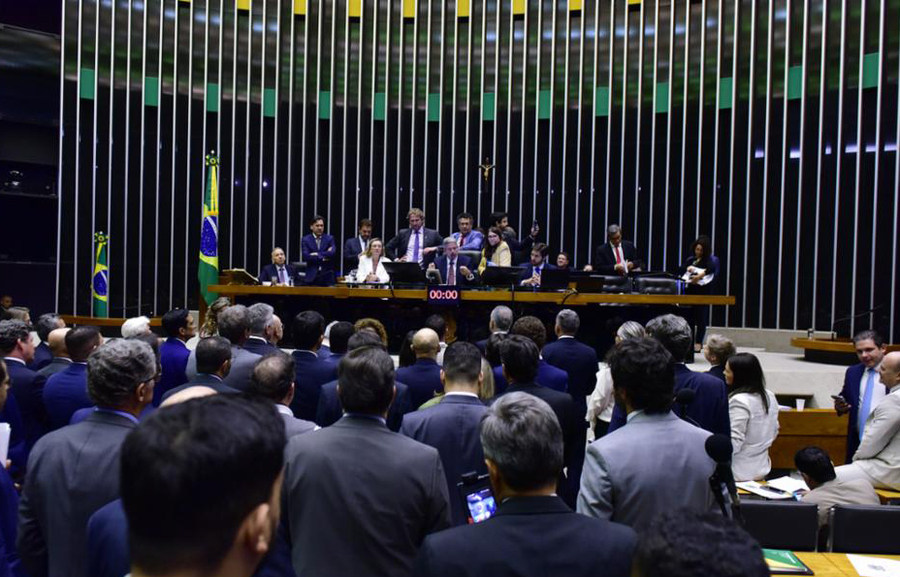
(533, 531)
(717, 350)
(709, 407)
(234, 325)
(46, 323)
(616, 257)
(74, 471)
(501, 321)
(262, 328)
(135, 327)
(454, 269)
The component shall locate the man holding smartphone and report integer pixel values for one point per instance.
(863, 388)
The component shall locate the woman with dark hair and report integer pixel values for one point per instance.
(407, 356)
(495, 252)
(753, 411)
(699, 272)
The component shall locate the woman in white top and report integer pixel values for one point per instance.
(601, 402)
(753, 410)
(371, 267)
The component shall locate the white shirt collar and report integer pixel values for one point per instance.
(561, 337)
(15, 359)
(284, 410)
(258, 338)
(313, 353)
(461, 394)
(633, 414)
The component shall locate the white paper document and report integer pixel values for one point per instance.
(874, 566)
(788, 484)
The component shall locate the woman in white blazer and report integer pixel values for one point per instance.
(753, 410)
(371, 267)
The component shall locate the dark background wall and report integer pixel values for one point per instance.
(772, 126)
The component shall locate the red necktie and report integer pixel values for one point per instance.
(618, 257)
(451, 273)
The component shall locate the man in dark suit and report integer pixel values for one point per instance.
(319, 253)
(858, 381)
(213, 365)
(616, 256)
(339, 337)
(17, 348)
(179, 326)
(531, 276)
(500, 322)
(416, 243)
(273, 379)
(234, 325)
(453, 425)
(424, 376)
(312, 372)
(547, 375)
(520, 357)
(337, 477)
(709, 409)
(262, 329)
(454, 268)
(533, 531)
(278, 273)
(46, 323)
(357, 245)
(56, 340)
(66, 391)
(718, 350)
(74, 471)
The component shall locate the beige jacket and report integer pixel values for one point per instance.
(879, 451)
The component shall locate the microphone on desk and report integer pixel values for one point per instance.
(719, 449)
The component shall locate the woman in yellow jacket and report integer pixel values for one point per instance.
(495, 252)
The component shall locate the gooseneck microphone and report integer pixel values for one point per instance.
(719, 449)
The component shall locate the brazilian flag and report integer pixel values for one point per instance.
(208, 271)
(100, 280)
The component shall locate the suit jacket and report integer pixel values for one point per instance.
(837, 492)
(42, 357)
(311, 373)
(529, 270)
(473, 240)
(850, 392)
(605, 259)
(879, 451)
(709, 410)
(65, 393)
(360, 499)
(72, 472)
(56, 365)
(173, 356)
(242, 363)
(270, 271)
(352, 250)
(203, 380)
(441, 263)
(547, 376)
(580, 363)
(18, 448)
(260, 346)
(329, 410)
(321, 265)
(423, 379)
(453, 427)
(717, 371)
(397, 246)
(529, 536)
(28, 388)
(656, 463)
(10, 564)
(294, 426)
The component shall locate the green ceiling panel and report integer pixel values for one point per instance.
(601, 100)
(662, 97)
(87, 83)
(151, 91)
(726, 93)
(212, 97)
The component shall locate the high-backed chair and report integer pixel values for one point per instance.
(864, 529)
(782, 524)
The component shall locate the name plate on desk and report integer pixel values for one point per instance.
(443, 295)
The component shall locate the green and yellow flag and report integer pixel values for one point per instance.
(100, 279)
(208, 271)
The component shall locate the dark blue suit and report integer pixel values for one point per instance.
(352, 249)
(319, 268)
(28, 388)
(529, 270)
(9, 510)
(547, 376)
(453, 427)
(270, 271)
(202, 380)
(18, 449)
(423, 379)
(42, 357)
(173, 356)
(65, 393)
(709, 409)
(260, 346)
(333, 358)
(441, 263)
(850, 392)
(311, 373)
(717, 371)
(329, 410)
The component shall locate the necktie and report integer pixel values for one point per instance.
(281, 278)
(451, 273)
(618, 256)
(318, 243)
(362, 243)
(462, 240)
(866, 406)
(537, 271)
(415, 254)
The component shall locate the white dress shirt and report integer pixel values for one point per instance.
(878, 393)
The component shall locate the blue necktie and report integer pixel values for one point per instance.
(415, 254)
(867, 403)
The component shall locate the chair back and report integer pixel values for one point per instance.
(782, 524)
(864, 529)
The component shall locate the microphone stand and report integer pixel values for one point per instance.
(722, 487)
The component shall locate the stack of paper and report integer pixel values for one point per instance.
(874, 566)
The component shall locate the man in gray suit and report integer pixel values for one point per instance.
(273, 379)
(74, 471)
(234, 325)
(359, 498)
(825, 490)
(657, 461)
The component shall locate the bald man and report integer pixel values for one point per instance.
(192, 392)
(878, 458)
(56, 340)
(424, 376)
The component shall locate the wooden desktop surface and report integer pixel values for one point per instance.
(834, 564)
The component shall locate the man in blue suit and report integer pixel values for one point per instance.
(46, 323)
(453, 425)
(284, 274)
(531, 276)
(213, 356)
(312, 372)
(357, 245)
(859, 380)
(424, 376)
(339, 337)
(467, 238)
(547, 375)
(66, 391)
(56, 340)
(17, 348)
(319, 254)
(179, 326)
(454, 268)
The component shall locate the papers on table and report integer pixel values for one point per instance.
(763, 490)
(874, 566)
(788, 484)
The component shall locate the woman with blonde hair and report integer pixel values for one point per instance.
(371, 264)
(210, 326)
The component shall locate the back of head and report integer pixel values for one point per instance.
(462, 364)
(374, 325)
(519, 356)
(211, 353)
(720, 347)
(522, 437)
(437, 324)
(815, 463)
(272, 377)
(261, 318)
(502, 318)
(234, 323)
(493, 347)
(365, 338)
(11, 332)
(646, 371)
(188, 483)
(175, 320)
(56, 340)
(339, 336)
(152, 341)
(426, 343)
(532, 328)
(406, 355)
(685, 543)
(116, 369)
(135, 326)
(747, 375)
(19, 314)
(674, 333)
(366, 381)
(631, 330)
(46, 323)
(309, 329)
(873, 336)
(81, 342)
(568, 322)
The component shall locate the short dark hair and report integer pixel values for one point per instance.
(339, 336)
(406, 356)
(462, 362)
(211, 354)
(234, 322)
(116, 369)
(532, 328)
(316, 218)
(541, 248)
(366, 381)
(174, 320)
(365, 222)
(365, 338)
(493, 347)
(46, 323)
(80, 341)
(684, 543)
(188, 482)
(437, 324)
(463, 215)
(273, 376)
(815, 463)
(11, 332)
(646, 370)
(498, 216)
(519, 356)
(309, 326)
(874, 336)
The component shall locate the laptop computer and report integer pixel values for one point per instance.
(405, 272)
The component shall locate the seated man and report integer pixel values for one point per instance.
(66, 391)
(278, 273)
(273, 380)
(531, 276)
(416, 243)
(533, 531)
(311, 370)
(825, 489)
(424, 376)
(454, 268)
(213, 357)
(180, 327)
(319, 254)
(466, 238)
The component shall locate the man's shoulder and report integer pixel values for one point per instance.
(705, 380)
(442, 412)
(855, 370)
